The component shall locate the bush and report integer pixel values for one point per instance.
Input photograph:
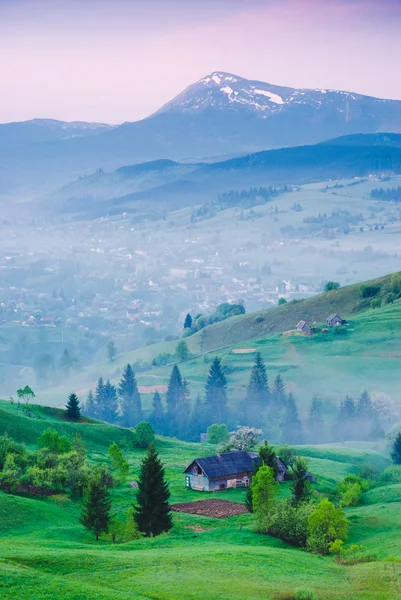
(368, 291)
(281, 301)
(305, 594)
(325, 525)
(391, 474)
(143, 435)
(290, 523)
(375, 303)
(331, 285)
(54, 442)
(351, 489)
(350, 556)
(217, 434)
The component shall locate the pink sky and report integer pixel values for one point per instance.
(120, 60)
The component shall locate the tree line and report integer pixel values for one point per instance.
(389, 194)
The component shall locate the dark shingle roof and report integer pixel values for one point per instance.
(229, 463)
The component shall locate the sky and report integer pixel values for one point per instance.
(120, 60)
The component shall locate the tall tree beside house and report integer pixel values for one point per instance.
(197, 422)
(72, 408)
(300, 487)
(109, 407)
(216, 393)
(396, 450)
(96, 507)
(156, 417)
(131, 404)
(188, 322)
(257, 395)
(152, 512)
(264, 491)
(174, 400)
(291, 424)
(315, 421)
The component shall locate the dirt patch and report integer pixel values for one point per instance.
(243, 350)
(219, 509)
(151, 389)
(197, 528)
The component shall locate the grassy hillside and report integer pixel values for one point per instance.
(45, 552)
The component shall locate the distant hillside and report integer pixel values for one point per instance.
(171, 184)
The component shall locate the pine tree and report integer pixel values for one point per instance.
(99, 398)
(131, 404)
(346, 418)
(188, 322)
(109, 411)
(268, 457)
(291, 423)
(73, 408)
(156, 418)
(275, 414)
(257, 396)
(184, 411)
(216, 393)
(301, 487)
(396, 450)
(315, 421)
(278, 391)
(152, 513)
(97, 504)
(90, 408)
(365, 416)
(196, 424)
(174, 399)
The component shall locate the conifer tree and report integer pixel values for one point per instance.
(216, 393)
(278, 391)
(315, 421)
(96, 507)
(152, 513)
(196, 424)
(257, 396)
(275, 413)
(365, 417)
(268, 457)
(109, 410)
(156, 418)
(90, 408)
(184, 411)
(174, 399)
(131, 404)
(291, 423)
(73, 408)
(188, 322)
(346, 418)
(301, 487)
(99, 397)
(396, 450)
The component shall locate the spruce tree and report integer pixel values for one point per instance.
(72, 408)
(184, 411)
(90, 408)
(110, 403)
(152, 513)
(96, 507)
(396, 450)
(275, 414)
(346, 418)
(216, 393)
(291, 423)
(174, 399)
(365, 416)
(196, 424)
(278, 391)
(188, 322)
(99, 398)
(257, 396)
(156, 417)
(301, 486)
(131, 404)
(315, 421)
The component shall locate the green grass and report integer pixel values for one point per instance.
(45, 553)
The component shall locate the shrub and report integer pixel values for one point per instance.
(368, 291)
(305, 594)
(217, 434)
(54, 442)
(350, 556)
(391, 474)
(287, 455)
(351, 488)
(281, 301)
(325, 524)
(290, 523)
(375, 303)
(143, 435)
(331, 285)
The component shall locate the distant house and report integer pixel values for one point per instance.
(303, 327)
(224, 471)
(334, 320)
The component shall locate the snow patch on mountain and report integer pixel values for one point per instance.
(273, 97)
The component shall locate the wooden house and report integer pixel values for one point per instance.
(334, 320)
(304, 328)
(224, 471)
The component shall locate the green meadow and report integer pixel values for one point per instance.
(45, 553)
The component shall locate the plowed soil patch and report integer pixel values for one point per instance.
(219, 509)
(243, 350)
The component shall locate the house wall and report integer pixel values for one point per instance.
(198, 481)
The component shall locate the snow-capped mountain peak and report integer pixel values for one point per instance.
(222, 90)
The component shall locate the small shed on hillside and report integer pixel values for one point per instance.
(304, 328)
(334, 320)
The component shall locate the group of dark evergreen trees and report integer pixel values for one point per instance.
(116, 404)
(393, 194)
